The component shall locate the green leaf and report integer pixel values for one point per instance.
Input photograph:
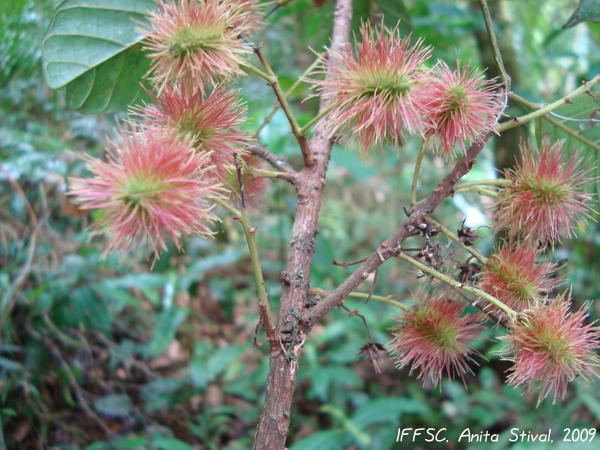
(160, 393)
(208, 363)
(586, 393)
(387, 410)
(325, 377)
(223, 357)
(116, 405)
(10, 348)
(8, 412)
(361, 437)
(321, 440)
(587, 11)
(166, 328)
(132, 443)
(138, 279)
(112, 86)
(85, 33)
(9, 365)
(170, 444)
(99, 445)
(200, 371)
(196, 270)
(91, 46)
(145, 282)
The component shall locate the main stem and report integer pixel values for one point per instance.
(286, 350)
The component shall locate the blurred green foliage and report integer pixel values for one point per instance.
(106, 354)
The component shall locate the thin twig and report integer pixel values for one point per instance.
(263, 297)
(128, 361)
(276, 161)
(68, 340)
(516, 121)
(10, 294)
(372, 290)
(571, 119)
(355, 313)
(417, 170)
(271, 78)
(495, 47)
(482, 309)
(452, 282)
(390, 301)
(292, 88)
(495, 182)
(316, 119)
(455, 238)
(240, 178)
(479, 190)
(19, 190)
(278, 4)
(336, 262)
(557, 123)
(261, 173)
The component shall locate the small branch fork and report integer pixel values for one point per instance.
(277, 162)
(420, 212)
(266, 317)
(297, 131)
(392, 246)
(289, 92)
(585, 88)
(534, 107)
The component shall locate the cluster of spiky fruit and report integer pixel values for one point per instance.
(383, 90)
(176, 157)
(545, 201)
(548, 344)
(175, 161)
(380, 92)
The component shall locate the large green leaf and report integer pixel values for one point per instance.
(587, 11)
(111, 86)
(91, 46)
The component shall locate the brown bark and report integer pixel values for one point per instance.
(287, 348)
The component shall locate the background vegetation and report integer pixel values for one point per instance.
(102, 354)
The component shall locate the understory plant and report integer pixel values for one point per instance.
(182, 163)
